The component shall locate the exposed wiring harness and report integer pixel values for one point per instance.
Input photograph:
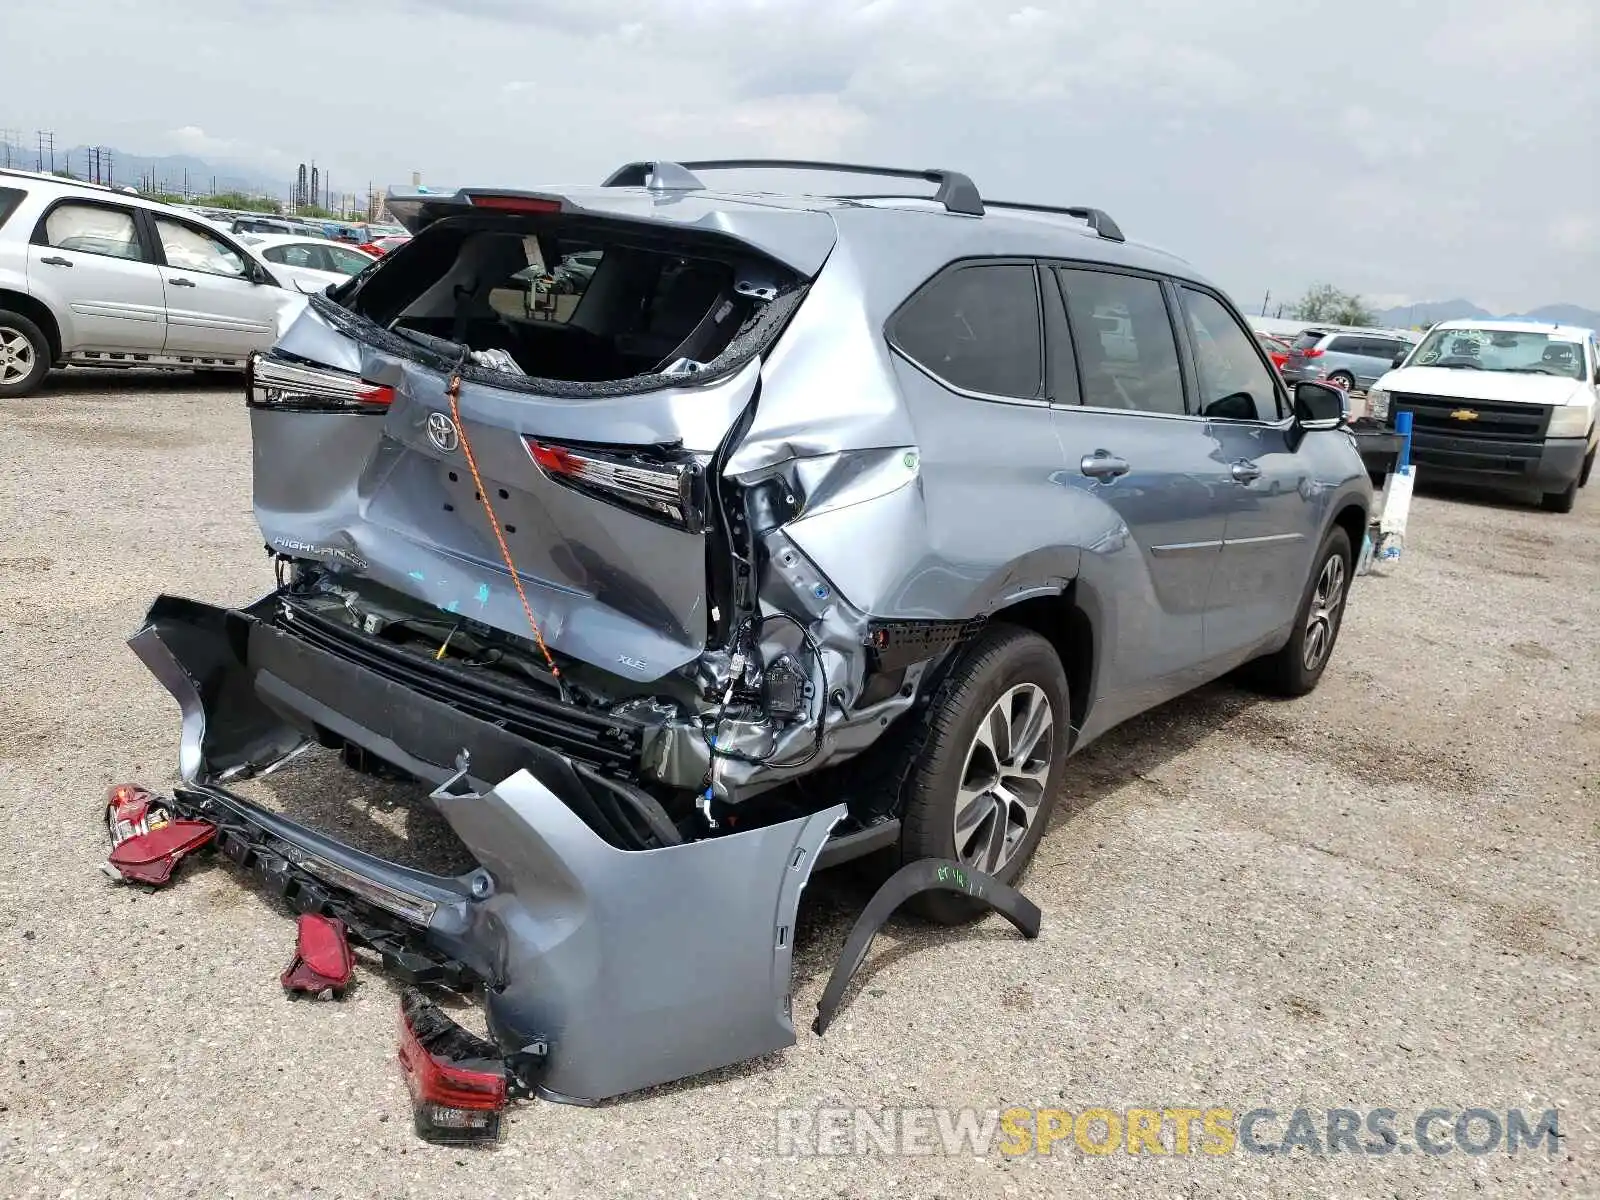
(752, 625)
(453, 391)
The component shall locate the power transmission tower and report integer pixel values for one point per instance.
(47, 146)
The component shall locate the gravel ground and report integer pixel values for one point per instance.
(1383, 895)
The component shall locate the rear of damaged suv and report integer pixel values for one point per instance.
(518, 564)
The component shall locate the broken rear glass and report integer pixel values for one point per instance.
(589, 307)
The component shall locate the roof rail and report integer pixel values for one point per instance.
(1099, 221)
(955, 191)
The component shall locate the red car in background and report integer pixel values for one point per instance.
(1277, 348)
(378, 247)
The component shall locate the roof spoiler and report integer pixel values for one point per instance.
(956, 192)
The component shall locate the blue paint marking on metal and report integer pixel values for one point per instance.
(1402, 426)
(483, 594)
(453, 606)
(418, 576)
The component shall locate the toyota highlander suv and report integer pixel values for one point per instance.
(801, 527)
(94, 277)
(1505, 404)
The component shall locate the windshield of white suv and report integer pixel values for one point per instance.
(1518, 351)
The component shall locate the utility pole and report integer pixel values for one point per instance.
(47, 146)
(1264, 301)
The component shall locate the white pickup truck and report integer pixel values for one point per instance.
(1507, 404)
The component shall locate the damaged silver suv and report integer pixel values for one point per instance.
(680, 540)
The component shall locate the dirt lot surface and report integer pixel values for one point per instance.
(1385, 895)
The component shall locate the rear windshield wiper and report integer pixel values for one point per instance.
(427, 341)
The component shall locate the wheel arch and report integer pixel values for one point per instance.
(1352, 518)
(1067, 626)
(37, 312)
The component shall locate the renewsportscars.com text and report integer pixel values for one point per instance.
(1176, 1130)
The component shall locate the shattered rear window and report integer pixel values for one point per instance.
(576, 302)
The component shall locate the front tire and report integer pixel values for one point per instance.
(1560, 502)
(24, 356)
(1297, 668)
(985, 781)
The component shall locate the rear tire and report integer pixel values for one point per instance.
(1343, 380)
(985, 780)
(1297, 668)
(24, 356)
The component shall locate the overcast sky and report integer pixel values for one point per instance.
(1405, 150)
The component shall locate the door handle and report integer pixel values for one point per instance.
(53, 261)
(181, 282)
(1102, 464)
(1245, 471)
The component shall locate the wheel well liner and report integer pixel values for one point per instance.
(1352, 518)
(37, 312)
(1061, 622)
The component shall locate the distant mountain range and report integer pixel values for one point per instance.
(1407, 315)
(164, 173)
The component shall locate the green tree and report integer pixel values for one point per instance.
(1327, 303)
(239, 202)
(316, 212)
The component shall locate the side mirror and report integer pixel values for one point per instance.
(1399, 358)
(1320, 406)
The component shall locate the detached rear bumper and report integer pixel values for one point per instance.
(636, 966)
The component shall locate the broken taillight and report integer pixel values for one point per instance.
(276, 383)
(665, 490)
(457, 1080)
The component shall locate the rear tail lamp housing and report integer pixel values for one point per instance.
(280, 384)
(666, 491)
(457, 1080)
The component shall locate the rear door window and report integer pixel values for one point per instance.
(346, 262)
(1127, 352)
(1234, 382)
(977, 329)
(1348, 345)
(92, 229)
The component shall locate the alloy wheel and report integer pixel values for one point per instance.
(1325, 603)
(16, 356)
(1004, 777)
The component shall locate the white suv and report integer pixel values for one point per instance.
(91, 276)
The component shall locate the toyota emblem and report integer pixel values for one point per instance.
(442, 432)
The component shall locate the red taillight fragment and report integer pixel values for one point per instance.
(457, 1080)
(1311, 353)
(663, 490)
(323, 964)
(276, 383)
(150, 857)
(518, 204)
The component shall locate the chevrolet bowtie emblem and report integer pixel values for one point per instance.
(1464, 414)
